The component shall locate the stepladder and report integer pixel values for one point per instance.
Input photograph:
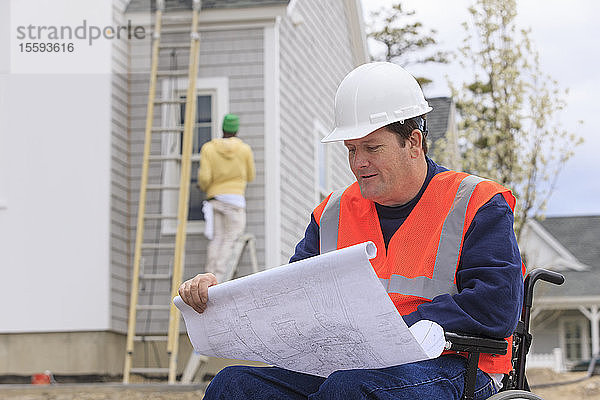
(197, 362)
(158, 260)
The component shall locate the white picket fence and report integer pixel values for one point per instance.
(552, 360)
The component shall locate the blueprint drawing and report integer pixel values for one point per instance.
(316, 316)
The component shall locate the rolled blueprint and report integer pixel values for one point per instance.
(316, 316)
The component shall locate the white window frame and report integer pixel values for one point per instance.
(585, 339)
(218, 88)
(319, 132)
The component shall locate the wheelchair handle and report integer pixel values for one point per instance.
(548, 276)
(540, 274)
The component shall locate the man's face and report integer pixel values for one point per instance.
(383, 168)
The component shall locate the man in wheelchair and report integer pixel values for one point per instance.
(447, 251)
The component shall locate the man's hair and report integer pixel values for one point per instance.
(403, 130)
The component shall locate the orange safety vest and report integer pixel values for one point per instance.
(423, 254)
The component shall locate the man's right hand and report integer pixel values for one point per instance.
(194, 292)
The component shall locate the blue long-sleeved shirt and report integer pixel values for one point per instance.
(489, 278)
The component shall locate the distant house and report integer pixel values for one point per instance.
(441, 123)
(565, 317)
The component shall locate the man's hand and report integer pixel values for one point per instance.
(194, 292)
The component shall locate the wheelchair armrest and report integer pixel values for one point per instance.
(475, 344)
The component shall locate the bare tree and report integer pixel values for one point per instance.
(405, 40)
(508, 128)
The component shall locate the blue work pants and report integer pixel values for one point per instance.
(441, 378)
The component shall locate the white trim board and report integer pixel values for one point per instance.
(319, 132)
(208, 18)
(564, 302)
(566, 259)
(272, 153)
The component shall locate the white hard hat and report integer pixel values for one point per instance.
(374, 95)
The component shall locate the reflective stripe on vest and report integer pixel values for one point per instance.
(449, 246)
(330, 219)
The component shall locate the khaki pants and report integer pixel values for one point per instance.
(229, 224)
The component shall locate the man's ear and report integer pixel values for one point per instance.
(415, 141)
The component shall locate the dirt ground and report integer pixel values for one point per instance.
(586, 389)
(583, 389)
(101, 391)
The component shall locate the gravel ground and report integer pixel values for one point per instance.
(586, 389)
(101, 392)
(580, 388)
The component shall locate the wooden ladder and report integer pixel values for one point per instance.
(177, 249)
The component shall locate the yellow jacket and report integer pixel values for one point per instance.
(226, 165)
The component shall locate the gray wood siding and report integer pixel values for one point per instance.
(237, 55)
(120, 257)
(315, 56)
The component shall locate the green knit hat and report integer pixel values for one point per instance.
(231, 123)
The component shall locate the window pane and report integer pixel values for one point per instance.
(196, 196)
(573, 340)
(182, 111)
(202, 134)
(204, 109)
(322, 167)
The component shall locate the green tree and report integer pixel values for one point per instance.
(508, 128)
(404, 39)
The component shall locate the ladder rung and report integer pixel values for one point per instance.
(180, 72)
(155, 276)
(167, 130)
(144, 338)
(152, 307)
(149, 370)
(174, 46)
(176, 18)
(171, 29)
(162, 187)
(164, 158)
(160, 216)
(170, 101)
(158, 245)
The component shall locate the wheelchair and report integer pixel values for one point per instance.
(515, 384)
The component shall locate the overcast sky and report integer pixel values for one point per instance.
(566, 35)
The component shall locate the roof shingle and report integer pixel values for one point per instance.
(580, 235)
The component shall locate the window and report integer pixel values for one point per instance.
(203, 132)
(212, 103)
(322, 167)
(575, 339)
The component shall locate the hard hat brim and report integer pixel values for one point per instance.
(341, 134)
(360, 131)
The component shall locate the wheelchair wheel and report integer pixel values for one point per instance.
(515, 395)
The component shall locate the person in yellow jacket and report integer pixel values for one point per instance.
(226, 166)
